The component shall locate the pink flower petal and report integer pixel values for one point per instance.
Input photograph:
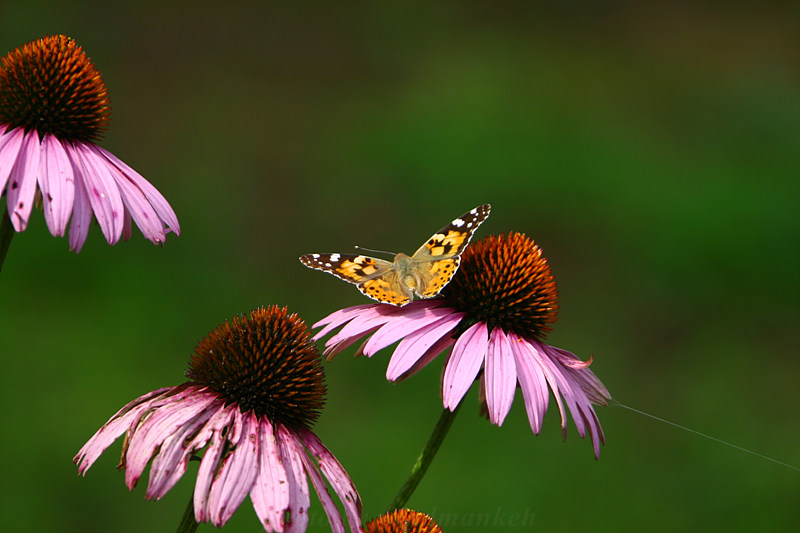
(441, 345)
(221, 420)
(102, 191)
(349, 334)
(151, 434)
(10, 143)
(233, 481)
(533, 383)
(22, 181)
(159, 203)
(137, 204)
(337, 476)
(545, 366)
(500, 376)
(412, 348)
(359, 326)
(113, 429)
(412, 317)
(172, 459)
(81, 210)
(270, 492)
(464, 364)
(299, 501)
(57, 182)
(126, 225)
(580, 406)
(591, 384)
(343, 316)
(328, 505)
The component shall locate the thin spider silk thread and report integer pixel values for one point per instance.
(617, 403)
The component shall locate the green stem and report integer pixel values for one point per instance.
(188, 523)
(425, 458)
(6, 234)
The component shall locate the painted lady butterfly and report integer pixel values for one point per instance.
(425, 273)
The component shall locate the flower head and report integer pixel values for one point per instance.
(494, 314)
(53, 107)
(403, 521)
(256, 386)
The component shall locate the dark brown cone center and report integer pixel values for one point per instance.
(505, 282)
(49, 85)
(264, 362)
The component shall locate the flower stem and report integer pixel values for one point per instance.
(6, 234)
(425, 458)
(188, 523)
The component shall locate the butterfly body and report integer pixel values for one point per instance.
(424, 273)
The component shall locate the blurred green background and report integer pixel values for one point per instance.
(652, 150)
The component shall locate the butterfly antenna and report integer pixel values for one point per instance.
(374, 251)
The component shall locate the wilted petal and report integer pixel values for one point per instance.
(170, 463)
(233, 481)
(163, 423)
(113, 429)
(299, 501)
(328, 505)
(208, 466)
(337, 476)
(270, 492)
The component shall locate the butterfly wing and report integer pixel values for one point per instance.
(387, 289)
(437, 260)
(426, 272)
(374, 277)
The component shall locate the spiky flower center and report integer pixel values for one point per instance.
(49, 85)
(403, 521)
(505, 282)
(264, 362)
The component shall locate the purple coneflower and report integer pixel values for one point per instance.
(256, 386)
(403, 521)
(53, 107)
(494, 314)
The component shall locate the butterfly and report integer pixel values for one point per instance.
(425, 273)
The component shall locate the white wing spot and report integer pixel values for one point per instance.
(315, 256)
(458, 222)
(328, 265)
(334, 258)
